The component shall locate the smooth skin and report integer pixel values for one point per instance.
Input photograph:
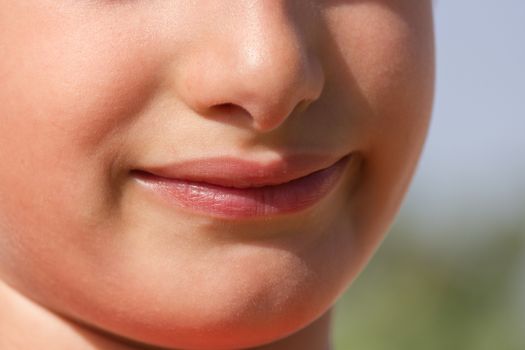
(92, 89)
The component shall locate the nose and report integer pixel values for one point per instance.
(260, 67)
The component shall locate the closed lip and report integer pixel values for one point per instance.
(241, 173)
(234, 188)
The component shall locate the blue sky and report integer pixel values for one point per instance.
(473, 165)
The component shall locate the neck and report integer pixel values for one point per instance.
(24, 324)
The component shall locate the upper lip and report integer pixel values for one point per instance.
(235, 172)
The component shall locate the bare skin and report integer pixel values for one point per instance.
(20, 314)
(93, 91)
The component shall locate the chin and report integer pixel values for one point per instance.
(250, 297)
(243, 319)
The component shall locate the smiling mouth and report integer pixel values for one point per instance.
(233, 189)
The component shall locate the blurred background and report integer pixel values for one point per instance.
(451, 273)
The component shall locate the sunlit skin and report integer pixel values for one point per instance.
(92, 90)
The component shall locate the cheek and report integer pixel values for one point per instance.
(65, 78)
(389, 50)
(66, 90)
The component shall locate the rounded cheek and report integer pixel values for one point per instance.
(60, 153)
(394, 75)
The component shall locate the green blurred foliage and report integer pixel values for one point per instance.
(415, 297)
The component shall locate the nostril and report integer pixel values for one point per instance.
(267, 119)
(226, 108)
(229, 109)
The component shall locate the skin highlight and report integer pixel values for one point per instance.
(93, 90)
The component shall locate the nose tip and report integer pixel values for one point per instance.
(270, 90)
(262, 74)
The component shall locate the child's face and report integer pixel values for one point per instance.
(92, 91)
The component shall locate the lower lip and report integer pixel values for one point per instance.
(243, 203)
